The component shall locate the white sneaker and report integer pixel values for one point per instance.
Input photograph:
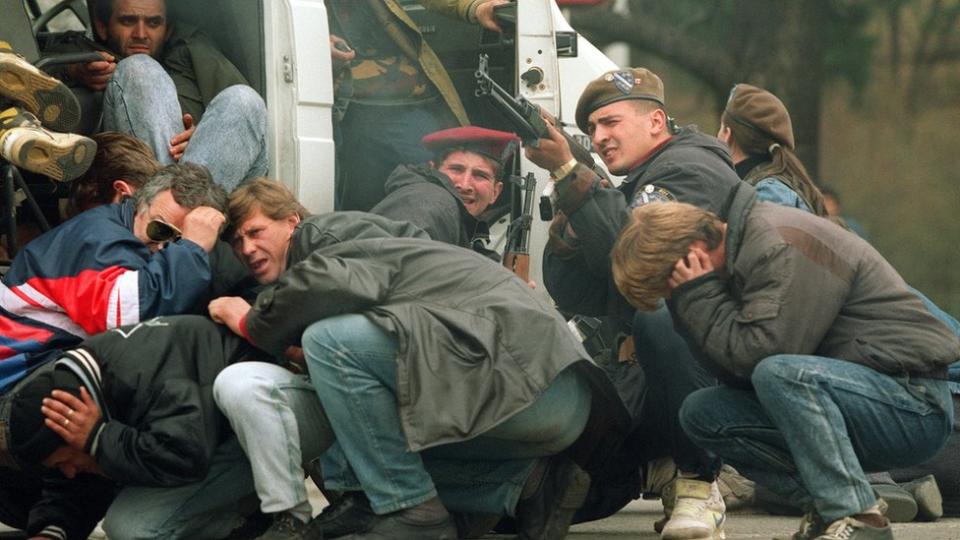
(699, 512)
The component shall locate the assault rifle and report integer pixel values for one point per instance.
(516, 252)
(527, 120)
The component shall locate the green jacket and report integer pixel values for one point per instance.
(469, 332)
(406, 34)
(800, 284)
(198, 69)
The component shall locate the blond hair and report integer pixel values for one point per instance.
(271, 197)
(658, 235)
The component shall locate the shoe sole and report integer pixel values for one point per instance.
(47, 98)
(558, 524)
(58, 161)
(929, 499)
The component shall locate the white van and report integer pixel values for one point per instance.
(282, 48)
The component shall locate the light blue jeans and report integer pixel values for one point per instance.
(813, 425)
(280, 425)
(353, 367)
(210, 508)
(230, 139)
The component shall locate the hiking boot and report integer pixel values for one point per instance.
(60, 156)
(547, 513)
(45, 97)
(699, 511)
(350, 514)
(395, 527)
(850, 528)
(285, 526)
(926, 493)
(811, 526)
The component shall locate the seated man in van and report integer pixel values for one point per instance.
(446, 196)
(465, 325)
(170, 87)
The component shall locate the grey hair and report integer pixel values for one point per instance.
(190, 184)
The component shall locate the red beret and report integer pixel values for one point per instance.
(497, 145)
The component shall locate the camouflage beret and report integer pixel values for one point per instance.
(760, 110)
(613, 86)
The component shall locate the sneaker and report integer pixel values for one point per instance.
(42, 95)
(901, 506)
(668, 498)
(285, 527)
(699, 511)
(737, 491)
(850, 528)
(546, 515)
(811, 526)
(928, 497)
(60, 156)
(395, 527)
(350, 514)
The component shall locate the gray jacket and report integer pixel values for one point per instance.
(799, 284)
(468, 330)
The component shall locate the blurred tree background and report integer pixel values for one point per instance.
(873, 88)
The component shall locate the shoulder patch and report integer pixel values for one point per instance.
(651, 193)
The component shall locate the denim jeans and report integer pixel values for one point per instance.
(352, 365)
(209, 508)
(377, 138)
(280, 425)
(813, 425)
(671, 374)
(230, 139)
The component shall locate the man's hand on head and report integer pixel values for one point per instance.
(94, 75)
(178, 143)
(202, 226)
(697, 263)
(486, 16)
(71, 417)
(552, 153)
(229, 311)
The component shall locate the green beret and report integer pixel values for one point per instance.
(760, 110)
(613, 86)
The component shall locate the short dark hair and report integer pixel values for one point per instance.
(102, 10)
(119, 157)
(190, 184)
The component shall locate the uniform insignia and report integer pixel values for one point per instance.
(624, 81)
(651, 193)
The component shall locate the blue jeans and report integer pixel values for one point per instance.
(230, 139)
(813, 425)
(280, 425)
(209, 508)
(377, 138)
(352, 365)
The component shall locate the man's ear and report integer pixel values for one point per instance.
(497, 189)
(121, 189)
(100, 29)
(658, 121)
(293, 220)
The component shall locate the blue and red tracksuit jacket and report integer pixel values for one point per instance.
(88, 275)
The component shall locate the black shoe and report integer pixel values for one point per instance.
(474, 525)
(395, 527)
(546, 515)
(350, 514)
(285, 527)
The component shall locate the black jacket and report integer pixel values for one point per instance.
(162, 425)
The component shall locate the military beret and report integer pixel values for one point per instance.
(613, 86)
(496, 145)
(760, 110)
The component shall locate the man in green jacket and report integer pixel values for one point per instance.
(831, 364)
(392, 90)
(169, 86)
(443, 376)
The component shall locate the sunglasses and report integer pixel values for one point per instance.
(161, 231)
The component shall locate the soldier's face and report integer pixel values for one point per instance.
(622, 134)
(135, 27)
(474, 177)
(262, 244)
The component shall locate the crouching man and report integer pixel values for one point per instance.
(130, 407)
(831, 364)
(441, 373)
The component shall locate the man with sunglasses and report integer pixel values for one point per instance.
(114, 265)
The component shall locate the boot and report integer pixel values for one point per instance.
(45, 97)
